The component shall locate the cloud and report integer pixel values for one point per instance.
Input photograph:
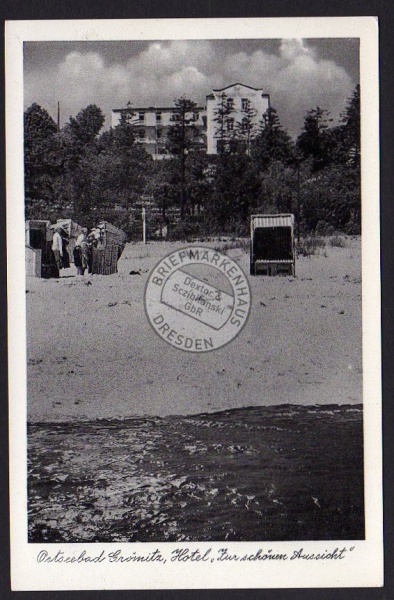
(294, 48)
(296, 78)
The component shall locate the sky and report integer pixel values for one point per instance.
(297, 74)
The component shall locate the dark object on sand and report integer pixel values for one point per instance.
(105, 260)
(110, 244)
(272, 245)
(135, 273)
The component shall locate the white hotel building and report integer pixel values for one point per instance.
(152, 123)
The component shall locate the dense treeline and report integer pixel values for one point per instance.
(88, 174)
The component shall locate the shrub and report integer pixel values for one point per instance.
(324, 228)
(184, 231)
(338, 241)
(310, 246)
(242, 244)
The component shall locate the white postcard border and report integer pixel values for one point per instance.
(363, 565)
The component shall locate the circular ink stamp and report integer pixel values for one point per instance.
(197, 299)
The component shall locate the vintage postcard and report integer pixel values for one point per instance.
(194, 297)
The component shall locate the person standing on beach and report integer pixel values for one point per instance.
(81, 252)
(66, 254)
(57, 247)
(92, 243)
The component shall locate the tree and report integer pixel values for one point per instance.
(197, 181)
(80, 135)
(278, 190)
(122, 139)
(127, 115)
(236, 190)
(86, 126)
(348, 148)
(315, 140)
(117, 167)
(273, 143)
(41, 159)
(246, 128)
(223, 119)
(38, 124)
(78, 144)
(162, 186)
(332, 199)
(182, 137)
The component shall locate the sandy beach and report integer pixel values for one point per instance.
(92, 353)
(131, 439)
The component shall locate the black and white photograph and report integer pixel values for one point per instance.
(195, 247)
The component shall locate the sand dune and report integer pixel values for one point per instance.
(92, 353)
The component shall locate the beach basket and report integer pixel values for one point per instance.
(33, 258)
(272, 244)
(105, 260)
(72, 229)
(111, 235)
(36, 234)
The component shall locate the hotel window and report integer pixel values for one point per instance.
(142, 134)
(141, 116)
(230, 124)
(158, 117)
(245, 125)
(245, 103)
(230, 103)
(159, 133)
